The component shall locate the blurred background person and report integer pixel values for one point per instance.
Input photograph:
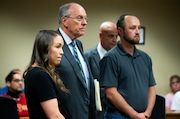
(14, 82)
(174, 83)
(108, 39)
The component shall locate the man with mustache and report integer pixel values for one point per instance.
(127, 76)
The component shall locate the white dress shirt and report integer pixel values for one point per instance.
(101, 50)
(83, 62)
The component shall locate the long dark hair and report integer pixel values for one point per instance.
(40, 56)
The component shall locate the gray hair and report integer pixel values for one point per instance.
(64, 10)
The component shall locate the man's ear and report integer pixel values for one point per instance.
(8, 83)
(64, 21)
(120, 30)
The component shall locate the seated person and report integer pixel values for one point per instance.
(175, 86)
(175, 107)
(14, 82)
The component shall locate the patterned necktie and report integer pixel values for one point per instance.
(77, 58)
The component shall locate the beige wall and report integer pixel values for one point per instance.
(20, 20)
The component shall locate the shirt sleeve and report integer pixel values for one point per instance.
(44, 87)
(108, 72)
(176, 102)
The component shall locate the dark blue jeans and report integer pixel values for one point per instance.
(115, 115)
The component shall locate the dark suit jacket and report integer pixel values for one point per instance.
(93, 58)
(81, 101)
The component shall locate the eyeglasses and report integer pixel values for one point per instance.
(17, 80)
(79, 18)
(177, 82)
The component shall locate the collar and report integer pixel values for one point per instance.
(123, 52)
(101, 50)
(65, 36)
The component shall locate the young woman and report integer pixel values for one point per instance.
(44, 90)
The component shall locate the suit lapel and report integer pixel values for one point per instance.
(80, 47)
(69, 56)
(96, 57)
(73, 63)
